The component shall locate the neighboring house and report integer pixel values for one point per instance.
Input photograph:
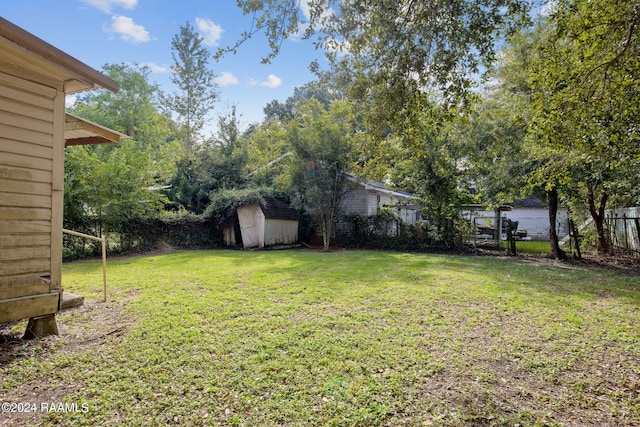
(35, 77)
(368, 198)
(263, 224)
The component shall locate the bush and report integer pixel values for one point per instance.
(385, 230)
(144, 234)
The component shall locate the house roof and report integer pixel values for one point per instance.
(46, 63)
(277, 209)
(480, 207)
(79, 131)
(381, 187)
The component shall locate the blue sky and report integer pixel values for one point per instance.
(98, 32)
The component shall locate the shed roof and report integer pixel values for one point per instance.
(277, 209)
(79, 131)
(24, 51)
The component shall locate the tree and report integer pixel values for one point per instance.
(586, 109)
(135, 111)
(196, 97)
(268, 154)
(320, 140)
(323, 90)
(108, 184)
(408, 67)
(398, 55)
(217, 164)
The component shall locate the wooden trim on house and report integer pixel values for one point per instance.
(29, 306)
(57, 192)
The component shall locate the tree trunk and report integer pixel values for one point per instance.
(597, 213)
(576, 237)
(327, 226)
(556, 252)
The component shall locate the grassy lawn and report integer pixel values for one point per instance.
(531, 247)
(345, 338)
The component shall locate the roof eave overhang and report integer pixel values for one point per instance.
(80, 76)
(79, 131)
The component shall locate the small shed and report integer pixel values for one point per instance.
(35, 77)
(264, 224)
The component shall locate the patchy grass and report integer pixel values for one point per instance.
(348, 338)
(531, 247)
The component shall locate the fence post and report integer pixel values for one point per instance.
(626, 235)
(103, 240)
(104, 266)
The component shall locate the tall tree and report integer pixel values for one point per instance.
(587, 81)
(108, 184)
(323, 90)
(321, 142)
(268, 154)
(197, 93)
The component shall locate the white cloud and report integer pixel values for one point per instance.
(226, 79)
(128, 30)
(340, 48)
(305, 8)
(108, 5)
(70, 101)
(155, 68)
(211, 31)
(549, 7)
(272, 82)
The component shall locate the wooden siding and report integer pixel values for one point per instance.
(27, 127)
(356, 202)
(366, 202)
(29, 306)
(280, 232)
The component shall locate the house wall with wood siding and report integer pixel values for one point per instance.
(368, 201)
(31, 143)
(364, 202)
(34, 79)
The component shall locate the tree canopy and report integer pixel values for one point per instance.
(193, 104)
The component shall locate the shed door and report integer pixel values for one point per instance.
(249, 221)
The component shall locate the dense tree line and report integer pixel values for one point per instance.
(455, 101)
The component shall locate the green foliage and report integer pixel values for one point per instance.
(586, 109)
(211, 169)
(268, 154)
(394, 49)
(216, 165)
(383, 230)
(323, 90)
(191, 106)
(141, 234)
(113, 183)
(323, 154)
